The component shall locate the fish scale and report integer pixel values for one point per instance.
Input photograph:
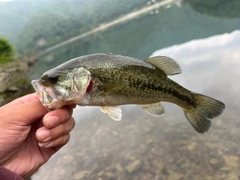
(109, 80)
(139, 87)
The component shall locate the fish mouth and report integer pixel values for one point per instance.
(45, 94)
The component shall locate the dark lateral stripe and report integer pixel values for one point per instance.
(142, 85)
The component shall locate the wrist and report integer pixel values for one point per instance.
(6, 174)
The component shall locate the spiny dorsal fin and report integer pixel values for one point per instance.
(166, 64)
(154, 109)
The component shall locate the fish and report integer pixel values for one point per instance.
(109, 80)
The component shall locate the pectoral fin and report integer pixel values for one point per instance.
(113, 111)
(154, 109)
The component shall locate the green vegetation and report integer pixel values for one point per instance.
(6, 51)
(218, 8)
(62, 20)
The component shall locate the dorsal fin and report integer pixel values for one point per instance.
(166, 64)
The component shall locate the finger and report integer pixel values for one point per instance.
(57, 117)
(45, 135)
(71, 106)
(61, 141)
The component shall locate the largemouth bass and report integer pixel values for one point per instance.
(108, 80)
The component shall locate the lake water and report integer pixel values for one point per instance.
(166, 148)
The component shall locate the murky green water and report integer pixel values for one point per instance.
(165, 148)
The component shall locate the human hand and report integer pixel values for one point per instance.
(30, 135)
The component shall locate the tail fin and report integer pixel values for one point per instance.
(207, 108)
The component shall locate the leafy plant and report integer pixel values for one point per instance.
(6, 51)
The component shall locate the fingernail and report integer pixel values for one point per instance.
(45, 144)
(43, 134)
(52, 121)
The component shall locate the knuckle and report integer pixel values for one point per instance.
(61, 129)
(67, 137)
(73, 123)
(66, 114)
(62, 140)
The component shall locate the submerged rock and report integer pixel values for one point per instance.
(134, 166)
(231, 161)
(213, 161)
(81, 175)
(175, 176)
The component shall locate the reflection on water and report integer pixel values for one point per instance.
(207, 64)
(168, 148)
(143, 35)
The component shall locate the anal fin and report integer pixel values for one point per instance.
(154, 109)
(113, 111)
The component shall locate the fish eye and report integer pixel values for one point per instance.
(53, 79)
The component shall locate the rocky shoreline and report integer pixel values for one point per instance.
(13, 79)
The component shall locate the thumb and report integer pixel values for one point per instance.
(29, 112)
(23, 100)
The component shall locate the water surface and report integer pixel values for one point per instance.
(166, 148)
